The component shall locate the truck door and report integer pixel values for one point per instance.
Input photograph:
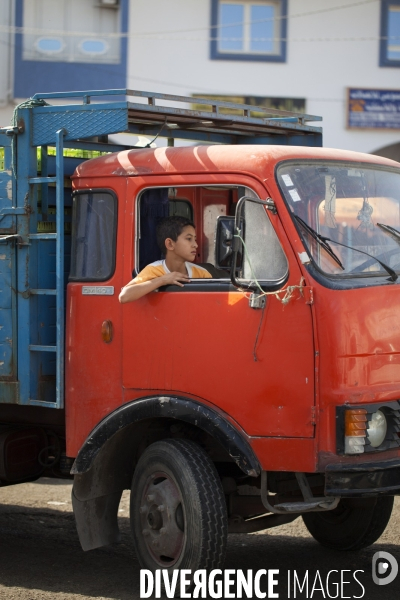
(206, 342)
(92, 340)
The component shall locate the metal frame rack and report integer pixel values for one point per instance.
(154, 115)
(66, 125)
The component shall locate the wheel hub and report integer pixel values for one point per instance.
(154, 518)
(162, 519)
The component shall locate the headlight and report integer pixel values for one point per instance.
(368, 428)
(360, 427)
(377, 428)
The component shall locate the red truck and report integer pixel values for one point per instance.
(233, 404)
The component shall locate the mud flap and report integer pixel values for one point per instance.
(97, 520)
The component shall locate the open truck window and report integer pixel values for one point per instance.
(348, 216)
(94, 220)
(205, 205)
(155, 204)
(199, 204)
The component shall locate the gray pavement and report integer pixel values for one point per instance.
(41, 559)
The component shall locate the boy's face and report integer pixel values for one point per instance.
(185, 246)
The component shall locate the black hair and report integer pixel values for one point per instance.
(171, 227)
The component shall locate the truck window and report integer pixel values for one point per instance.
(153, 205)
(181, 208)
(210, 214)
(356, 208)
(199, 204)
(94, 220)
(204, 204)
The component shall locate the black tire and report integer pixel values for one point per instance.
(353, 525)
(176, 488)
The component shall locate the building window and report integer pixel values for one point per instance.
(273, 103)
(249, 30)
(390, 33)
(66, 40)
(64, 45)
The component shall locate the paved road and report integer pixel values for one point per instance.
(41, 559)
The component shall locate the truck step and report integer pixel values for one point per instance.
(300, 507)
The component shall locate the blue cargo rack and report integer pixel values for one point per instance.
(33, 261)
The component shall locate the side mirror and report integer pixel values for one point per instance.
(224, 243)
(264, 259)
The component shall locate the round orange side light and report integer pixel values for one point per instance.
(106, 331)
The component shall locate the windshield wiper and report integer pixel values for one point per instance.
(394, 234)
(393, 274)
(324, 243)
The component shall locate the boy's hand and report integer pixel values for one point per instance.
(174, 278)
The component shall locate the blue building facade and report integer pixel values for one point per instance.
(70, 45)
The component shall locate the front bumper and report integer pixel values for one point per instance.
(367, 479)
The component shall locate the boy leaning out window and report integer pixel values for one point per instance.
(176, 237)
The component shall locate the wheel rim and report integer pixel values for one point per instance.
(162, 519)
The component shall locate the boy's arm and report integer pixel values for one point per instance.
(133, 291)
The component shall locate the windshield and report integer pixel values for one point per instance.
(337, 205)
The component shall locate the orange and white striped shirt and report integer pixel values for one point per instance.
(159, 268)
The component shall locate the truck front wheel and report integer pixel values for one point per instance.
(178, 510)
(354, 524)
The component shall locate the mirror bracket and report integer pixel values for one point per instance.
(257, 300)
(270, 204)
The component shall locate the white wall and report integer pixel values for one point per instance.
(318, 70)
(169, 50)
(6, 11)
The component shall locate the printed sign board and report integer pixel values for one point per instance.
(373, 109)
